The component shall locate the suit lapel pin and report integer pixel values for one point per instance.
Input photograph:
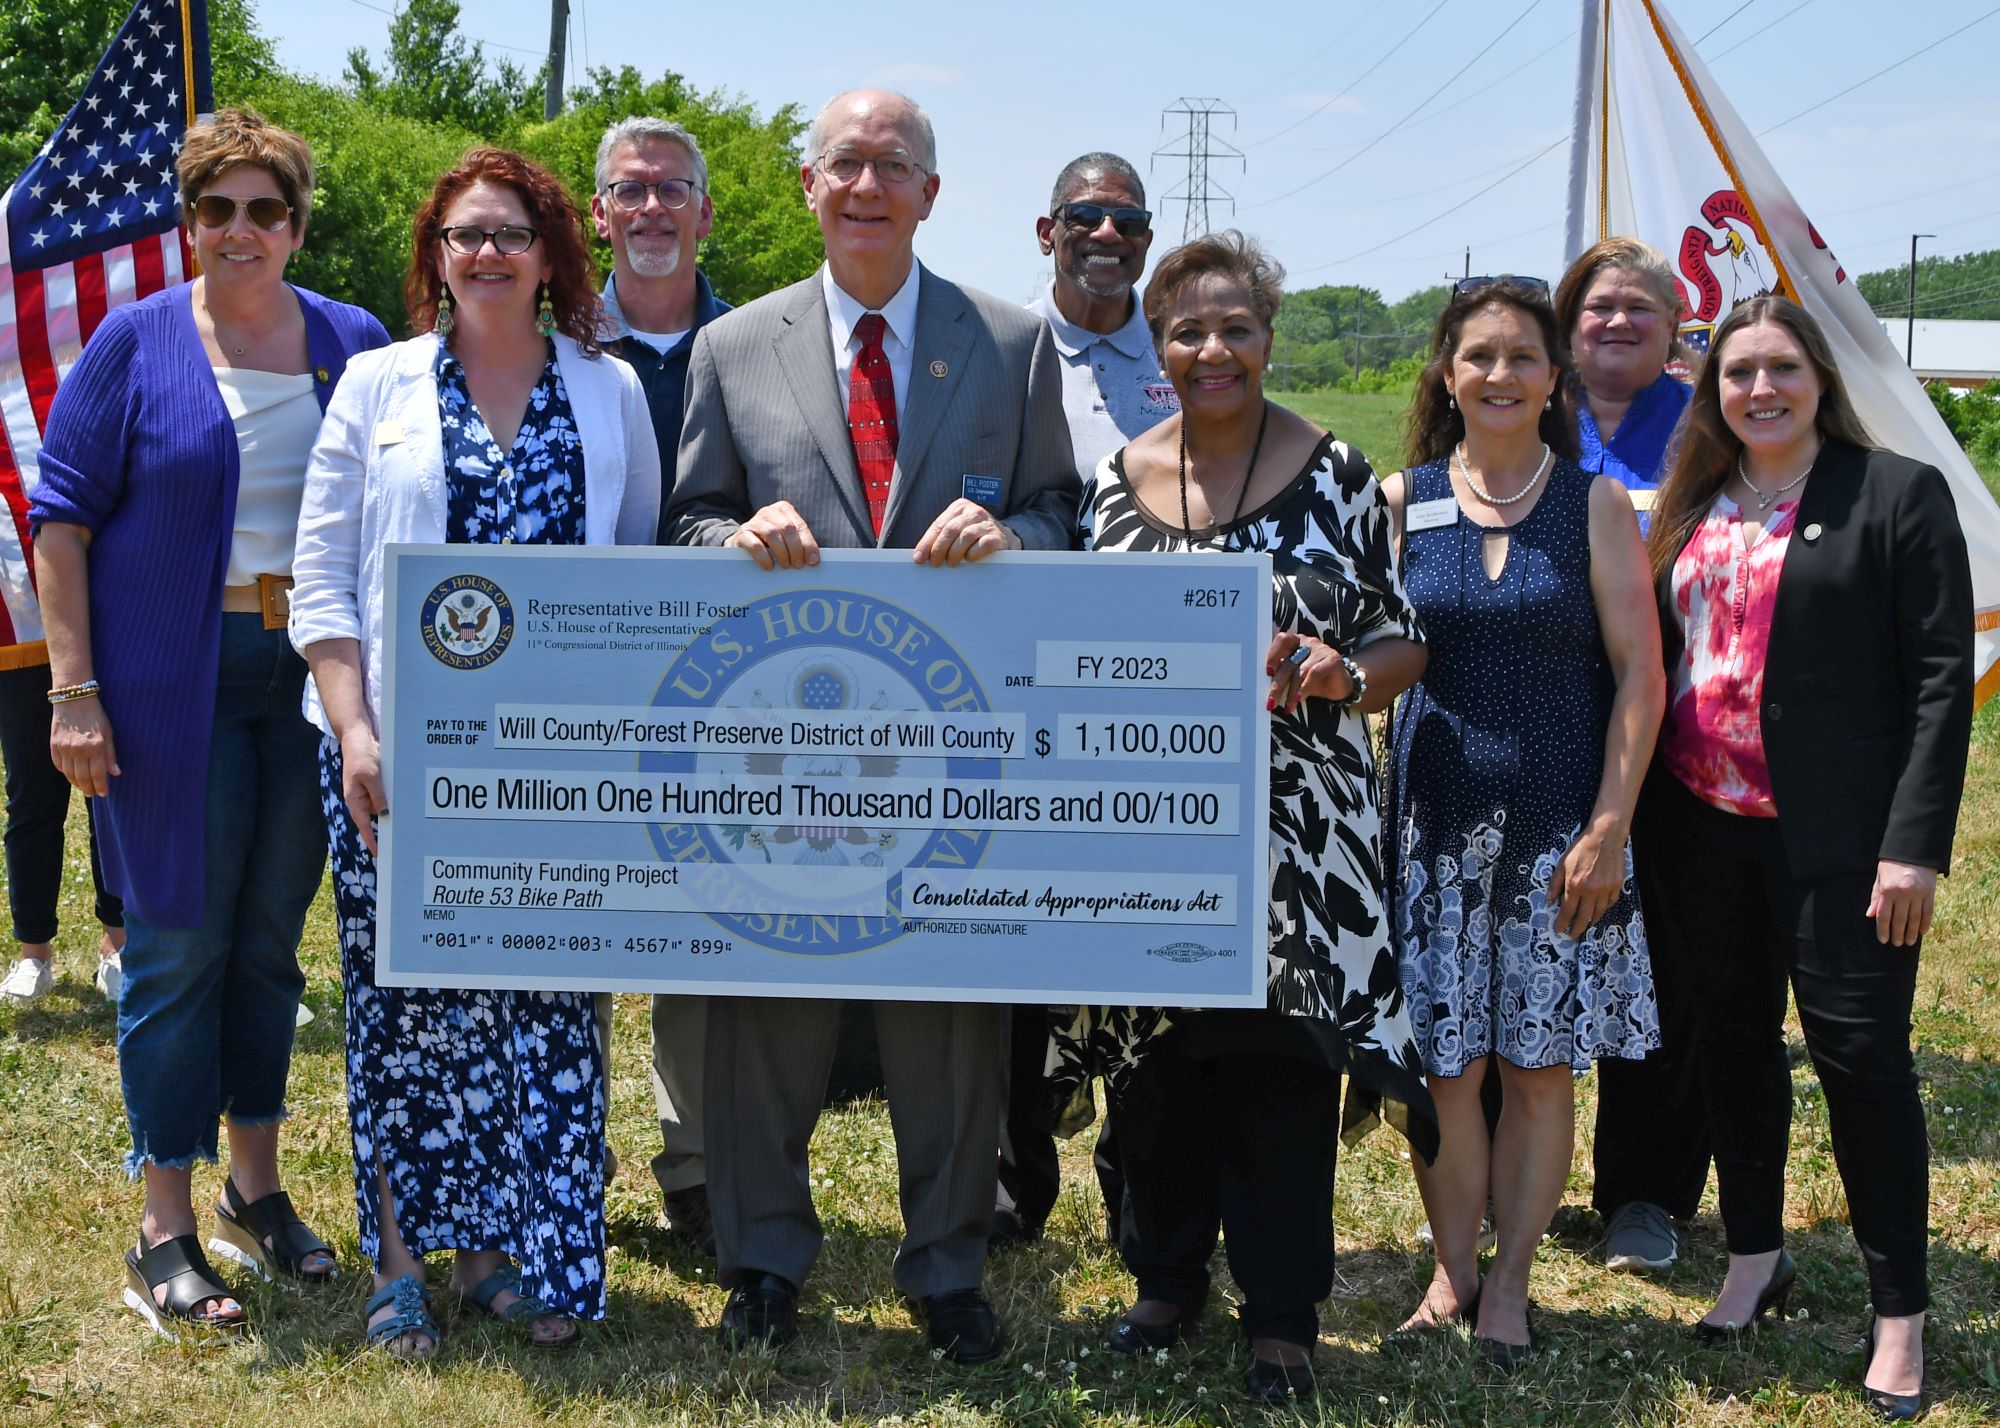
(940, 368)
(1813, 531)
(322, 376)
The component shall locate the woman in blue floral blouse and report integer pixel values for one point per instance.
(478, 1116)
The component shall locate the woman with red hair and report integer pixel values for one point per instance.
(478, 1116)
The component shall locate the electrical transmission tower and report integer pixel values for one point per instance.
(1200, 148)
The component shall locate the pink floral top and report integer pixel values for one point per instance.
(1723, 598)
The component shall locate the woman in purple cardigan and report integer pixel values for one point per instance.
(164, 525)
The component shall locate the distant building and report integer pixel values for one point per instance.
(1961, 354)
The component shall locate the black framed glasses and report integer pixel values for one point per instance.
(214, 210)
(630, 194)
(844, 166)
(1536, 287)
(509, 239)
(1089, 217)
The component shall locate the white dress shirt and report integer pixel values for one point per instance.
(898, 342)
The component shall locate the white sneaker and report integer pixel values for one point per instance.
(303, 1016)
(110, 977)
(28, 982)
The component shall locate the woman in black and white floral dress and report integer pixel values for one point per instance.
(1230, 1119)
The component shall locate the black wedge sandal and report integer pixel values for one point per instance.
(268, 1236)
(190, 1282)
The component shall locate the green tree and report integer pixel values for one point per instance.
(48, 49)
(433, 73)
(1967, 286)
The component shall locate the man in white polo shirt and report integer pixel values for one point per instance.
(1097, 229)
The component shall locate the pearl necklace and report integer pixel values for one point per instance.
(1764, 501)
(1548, 459)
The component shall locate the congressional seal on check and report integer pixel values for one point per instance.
(1040, 778)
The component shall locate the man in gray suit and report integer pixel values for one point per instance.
(872, 405)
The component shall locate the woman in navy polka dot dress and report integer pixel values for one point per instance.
(1517, 761)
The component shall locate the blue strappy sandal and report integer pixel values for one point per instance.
(413, 1316)
(523, 1311)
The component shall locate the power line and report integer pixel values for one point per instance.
(1880, 72)
(1532, 6)
(1390, 242)
(1313, 59)
(1908, 197)
(1365, 74)
(1902, 309)
(1725, 20)
(397, 15)
(1760, 30)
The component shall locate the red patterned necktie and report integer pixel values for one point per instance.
(871, 416)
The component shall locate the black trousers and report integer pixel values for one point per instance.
(37, 807)
(1247, 1147)
(1030, 1173)
(1744, 929)
(1652, 1127)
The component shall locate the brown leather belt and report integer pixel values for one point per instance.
(270, 596)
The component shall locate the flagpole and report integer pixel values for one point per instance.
(1574, 222)
(190, 100)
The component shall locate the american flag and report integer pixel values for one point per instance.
(92, 222)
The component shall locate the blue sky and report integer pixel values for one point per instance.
(1017, 89)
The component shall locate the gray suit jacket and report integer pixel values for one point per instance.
(765, 423)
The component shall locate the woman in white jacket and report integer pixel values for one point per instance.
(478, 1117)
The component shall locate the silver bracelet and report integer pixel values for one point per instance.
(1358, 677)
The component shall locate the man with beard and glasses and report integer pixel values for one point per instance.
(1097, 229)
(652, 207)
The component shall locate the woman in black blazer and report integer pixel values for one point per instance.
(1816, 614)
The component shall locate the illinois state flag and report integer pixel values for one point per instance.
(92, 222)
(1659, 154)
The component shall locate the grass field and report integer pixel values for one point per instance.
(71, 1357)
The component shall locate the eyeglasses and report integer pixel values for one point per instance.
(630, 194)
(213, 210)
(511, 239)
(844, 167)
(1089, 217)
(1466, 287)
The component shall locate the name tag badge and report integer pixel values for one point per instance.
(388, 433)
(1429, 515)
(985, 490)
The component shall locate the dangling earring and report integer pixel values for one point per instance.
(1548, 402)
(443, 323)
(545, 314)
(1451, 401)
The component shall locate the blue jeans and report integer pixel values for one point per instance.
(205, 1017)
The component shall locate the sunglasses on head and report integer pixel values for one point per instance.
(1537, 287)
(213, 210)
(1088, 217)
(509, 239)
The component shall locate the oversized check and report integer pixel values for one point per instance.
(1040, 778)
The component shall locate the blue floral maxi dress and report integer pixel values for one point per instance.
(1496, 759)
(486, 1109)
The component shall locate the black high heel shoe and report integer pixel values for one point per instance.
(1889, 1407)
(1777, 1293)
(1413, 1337)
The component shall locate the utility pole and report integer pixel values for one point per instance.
(558, 36)
(1200, 148)
(1910, 332)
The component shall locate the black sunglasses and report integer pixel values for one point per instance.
(213, 210)
(1088, 217)
(1465, 287)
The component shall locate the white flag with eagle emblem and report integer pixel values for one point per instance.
(1660, 154)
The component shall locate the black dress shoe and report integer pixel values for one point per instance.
(1777, 1291)
(1279, 1383)
(1889, 1407)
(1009, 1232)
(1132, 1338)
(688, 1218)
(763, 1310)
(962, 1324)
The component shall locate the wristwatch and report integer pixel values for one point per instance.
(1358, 677)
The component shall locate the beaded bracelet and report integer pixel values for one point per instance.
(85, 690)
